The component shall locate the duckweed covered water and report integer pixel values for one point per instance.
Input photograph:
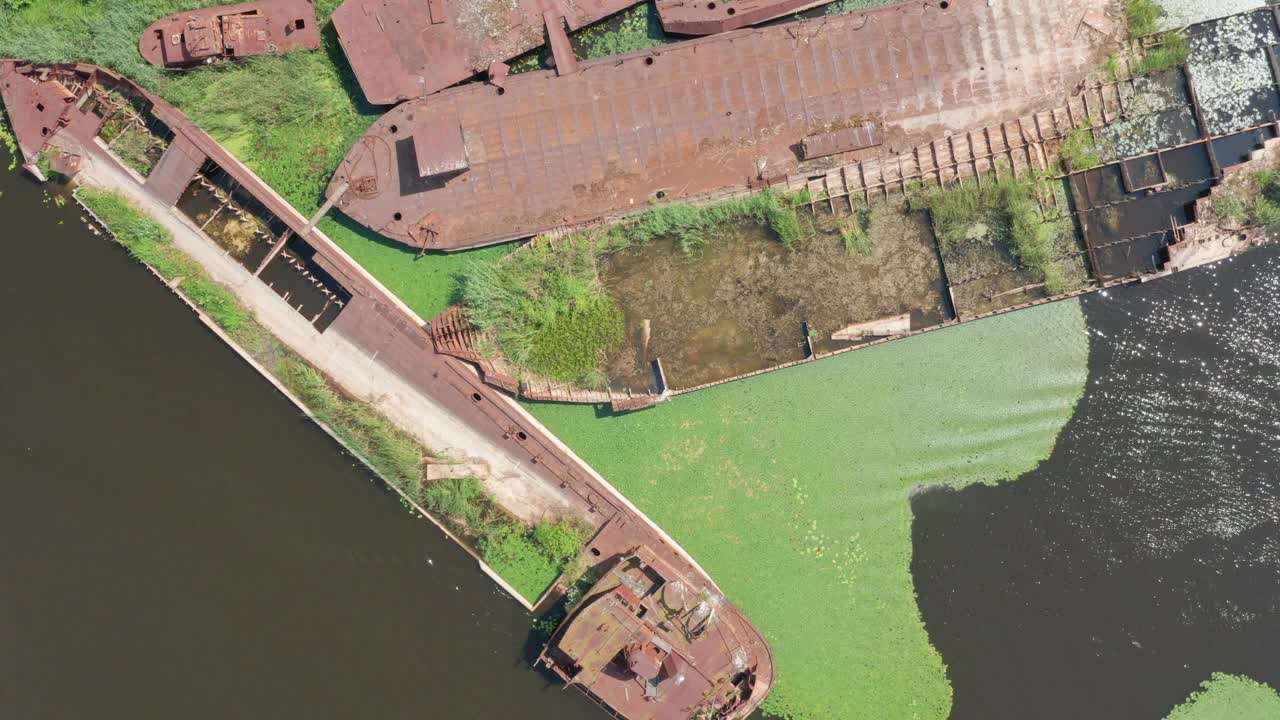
(1232, 697)
(792, 489)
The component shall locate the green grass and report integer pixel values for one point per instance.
(548, 310)
(693, 226)
(511, 551)
(792, 490)
(855, 232)
(1172, 50)
(1143, 16)
(840, 7)
(458, 499)
(146, 239)
(396, 456)
(1079, 150)
(1229, 697)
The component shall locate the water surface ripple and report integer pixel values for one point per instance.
(1145, 553)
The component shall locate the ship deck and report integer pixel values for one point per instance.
(715, 113)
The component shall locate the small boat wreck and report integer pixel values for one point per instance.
(212, 35)
(650, 645)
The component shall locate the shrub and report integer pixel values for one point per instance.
(1055, 281)
(560, 540)
(1228, 205)
(510, 550)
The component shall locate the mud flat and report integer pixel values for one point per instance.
(746, 302)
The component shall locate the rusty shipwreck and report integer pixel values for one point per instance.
(212, 35)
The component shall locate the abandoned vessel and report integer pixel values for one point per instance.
(651, 645)
(475, 165)
(203, 37)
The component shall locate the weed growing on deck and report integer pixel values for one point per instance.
(1232, 697)
(693, 226)
(459, 499)
(1143, 16)
(1079, 150)
(637, 28)
(804, 517)
(216, 300)
(1004, 211)
(840, 7)
(1172, 50)
(855, 232)
(146, 239)
(392, 452)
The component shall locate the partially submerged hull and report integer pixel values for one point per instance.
(202, 37)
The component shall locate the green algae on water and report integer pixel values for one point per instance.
(792, 489)
(1229, 697)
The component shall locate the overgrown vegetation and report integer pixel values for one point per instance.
(392, 452)
(1247, 199)
(1142, 20)
(636, 28)
(1006, 212)
(840, 7)
(1143, 16)
(547, 307)
(1079, 150)
(7, 138)
(529, 559)
(1172, 50)
(693, 226)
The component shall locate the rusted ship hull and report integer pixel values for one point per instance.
(708, 17)
(211, 35)
(58, 107)
(704, 116)
(450, 40)
(652, 644)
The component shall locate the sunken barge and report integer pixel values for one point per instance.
(230, 32)
(1171, 138)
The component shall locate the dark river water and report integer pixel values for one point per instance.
(178, 541)
(1144, 554)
